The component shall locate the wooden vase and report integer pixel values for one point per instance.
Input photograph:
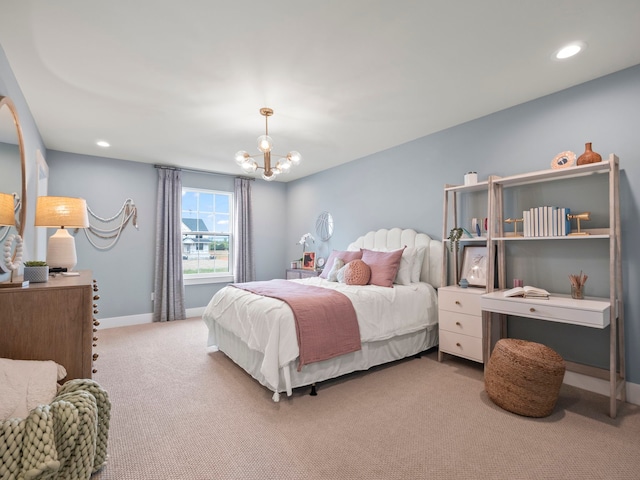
(589, 156)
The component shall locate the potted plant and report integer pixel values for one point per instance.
(36, 271)
(454, 237)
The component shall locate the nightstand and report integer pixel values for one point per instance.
(301, 273)
(460, 322)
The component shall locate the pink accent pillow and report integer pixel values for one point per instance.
(347, 256)
(384, 266)
(357, 273)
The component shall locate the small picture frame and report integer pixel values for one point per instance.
(475, 263)
(309, 261)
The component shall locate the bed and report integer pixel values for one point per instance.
(258, 333)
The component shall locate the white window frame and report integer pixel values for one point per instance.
(204, 278)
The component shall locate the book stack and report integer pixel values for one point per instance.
(527, 292)
(546, 221)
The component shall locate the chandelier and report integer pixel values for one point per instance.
(265, 144)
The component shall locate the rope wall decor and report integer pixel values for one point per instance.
(106, 230)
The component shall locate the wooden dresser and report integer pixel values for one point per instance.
(51, 321)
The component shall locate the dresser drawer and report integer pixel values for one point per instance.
(460, 323)
(461, 345)
(460, 300)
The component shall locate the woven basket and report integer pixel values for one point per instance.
(524, 377)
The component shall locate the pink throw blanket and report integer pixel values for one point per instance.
(326, 322)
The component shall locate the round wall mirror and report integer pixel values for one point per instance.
(12, 166)
(324, 226)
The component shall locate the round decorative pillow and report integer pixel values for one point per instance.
(357, 273)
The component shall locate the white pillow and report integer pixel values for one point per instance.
(405, 272)
(417, 264)
(27, 384)
(338, 263)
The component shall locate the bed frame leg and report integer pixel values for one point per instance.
(313, 390)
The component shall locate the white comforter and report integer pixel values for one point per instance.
(267, 324)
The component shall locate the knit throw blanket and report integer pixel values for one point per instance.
(64, 439)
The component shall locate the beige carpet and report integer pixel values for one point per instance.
(182, 413)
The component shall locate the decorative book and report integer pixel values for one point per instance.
(527, 292)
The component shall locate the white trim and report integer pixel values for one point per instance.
(195, 279)
(597, 385)
(142, 318)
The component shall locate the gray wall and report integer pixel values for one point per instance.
(125, 272)
(403, 187)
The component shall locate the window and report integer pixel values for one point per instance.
(206, 233)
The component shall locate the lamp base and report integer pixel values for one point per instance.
(61, 250)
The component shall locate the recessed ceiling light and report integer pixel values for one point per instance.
(569, 50)
(102, 143)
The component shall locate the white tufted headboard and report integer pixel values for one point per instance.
(396, 238)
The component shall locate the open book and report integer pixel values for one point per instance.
(527, 292)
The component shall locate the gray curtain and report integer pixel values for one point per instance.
(244, 269)
(168, 285)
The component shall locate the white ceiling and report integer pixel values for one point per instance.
(181, 82)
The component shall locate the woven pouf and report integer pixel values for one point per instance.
(524, 377)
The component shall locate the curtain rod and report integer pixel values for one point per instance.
(193, 170)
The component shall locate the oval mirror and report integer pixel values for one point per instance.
(324, 226)
(12, 166)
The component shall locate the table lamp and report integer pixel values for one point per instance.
(61, 213)
(7, 212)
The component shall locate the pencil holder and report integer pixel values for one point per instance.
(577, 292)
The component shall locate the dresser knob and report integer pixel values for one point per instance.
(95, 356)
(96, 297)
(458, 324)
(94, 370)
(532, 309)
(458, 345)
(457, 302)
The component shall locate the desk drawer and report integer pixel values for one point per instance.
(588, 313)
(457, 301)
(460, 323)
(461, 345)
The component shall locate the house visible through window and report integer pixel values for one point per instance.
(206, 232)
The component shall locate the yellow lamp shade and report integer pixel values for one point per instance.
(56, 212)
(7, 210)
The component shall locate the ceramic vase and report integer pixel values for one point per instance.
(589, 156)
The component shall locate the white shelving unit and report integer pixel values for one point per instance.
(555, 310)
(450, 213)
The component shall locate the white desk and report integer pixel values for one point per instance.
(593, 312)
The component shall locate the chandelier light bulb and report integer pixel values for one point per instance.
(250, 166)
(295, 157)
(284, 166)
(241, 157)
(265, 144)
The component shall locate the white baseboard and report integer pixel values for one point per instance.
(574, 379)
(600, 386)
(129, 320)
